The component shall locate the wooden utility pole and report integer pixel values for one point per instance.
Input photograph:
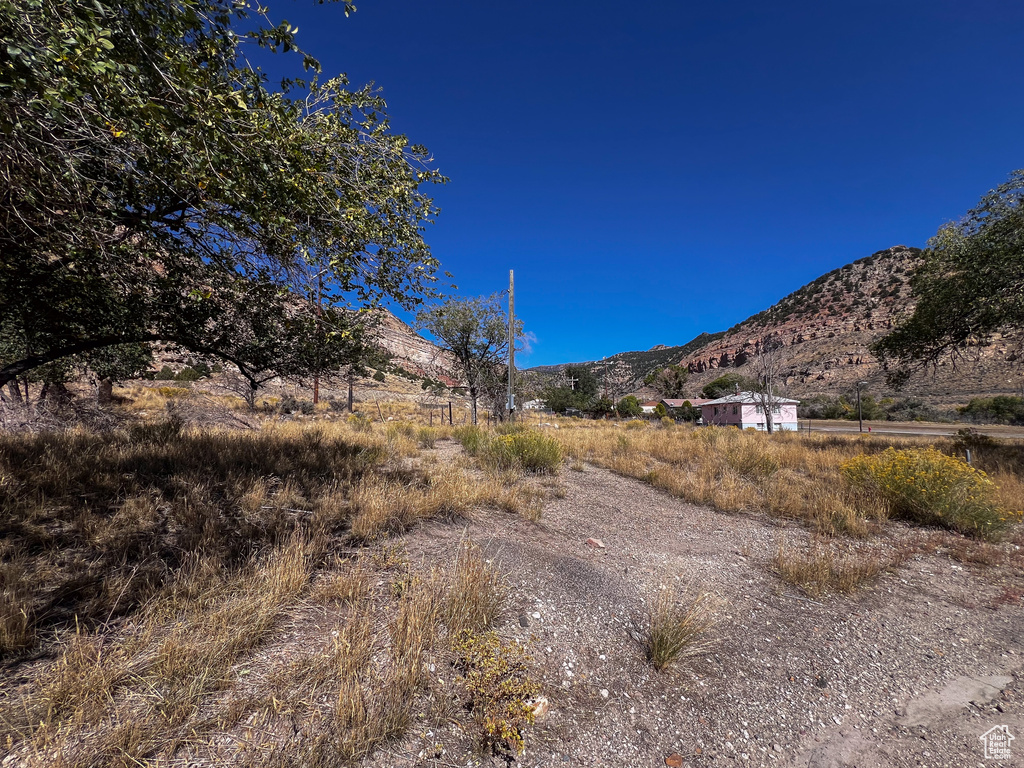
(511, 347)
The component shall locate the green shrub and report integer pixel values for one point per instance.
(629, 407)
(426, 437)
(188, 374)
(165, 374)
(360, 422)
(510, 428)
(929, 487)
(1001, 410)
(496, 681)
(400, 429)
(171, 392)
(471, 437)
(527, 451)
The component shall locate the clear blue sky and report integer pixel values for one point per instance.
(628, 158)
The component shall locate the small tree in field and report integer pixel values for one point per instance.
(475, 332)
(110, 364)
(669, 382)
(629, 407)
(768, 366)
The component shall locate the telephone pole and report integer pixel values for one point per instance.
(511, 346)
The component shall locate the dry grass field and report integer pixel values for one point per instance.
(332, 589)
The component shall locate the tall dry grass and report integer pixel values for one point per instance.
(786, 475)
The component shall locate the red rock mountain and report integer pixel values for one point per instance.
(825, 329)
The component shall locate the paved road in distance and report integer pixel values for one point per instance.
(928, 429)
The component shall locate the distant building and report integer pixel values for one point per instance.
(649, 406)
(744, 410)
(674, 402)
(534, 405)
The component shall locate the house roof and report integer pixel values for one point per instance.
(650, 403)
(748, 398)
(680, 402)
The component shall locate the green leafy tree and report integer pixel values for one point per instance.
(969, 284)
(475, 332)
(1002, 409)
(669, 382)
(629, 407)
(155, 187)
(726, 384)
(686, 412)
(577, 388)
(110, 364)
(274, 339)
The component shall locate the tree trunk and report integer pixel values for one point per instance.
(104, 392)
(351, 378)
(54, 394)
(14, 391)
(472, 399)
(250, 397)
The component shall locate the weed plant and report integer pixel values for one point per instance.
(499, 690)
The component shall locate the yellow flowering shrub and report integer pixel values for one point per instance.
(929, 487)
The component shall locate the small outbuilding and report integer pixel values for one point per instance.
(746, 411)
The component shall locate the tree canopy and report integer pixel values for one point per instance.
(156, 188)
(475, 332)
(669, 382)
(577, 388)
(969, 284)
(726, 384)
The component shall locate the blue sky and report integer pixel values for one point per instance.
(625, 159)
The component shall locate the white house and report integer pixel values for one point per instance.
(745, 410)
(534, 405)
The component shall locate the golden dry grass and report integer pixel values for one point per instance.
(678, 627)
(785, 475)
(154, 561)
(824, 568)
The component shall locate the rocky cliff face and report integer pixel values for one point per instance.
(414, 353)
(825, 329)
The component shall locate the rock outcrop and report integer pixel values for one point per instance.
(825, 330)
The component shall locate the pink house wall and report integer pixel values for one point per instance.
(746, 415)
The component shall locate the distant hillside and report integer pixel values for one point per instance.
(624, 372)
(826, 328)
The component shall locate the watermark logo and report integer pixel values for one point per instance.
(997, 742)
